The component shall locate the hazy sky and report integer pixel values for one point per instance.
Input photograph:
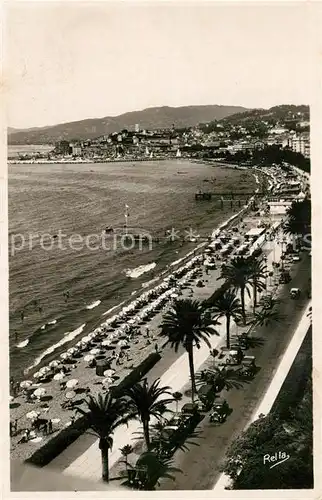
(73, 61)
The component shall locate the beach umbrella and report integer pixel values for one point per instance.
(89, 357)
(40, 392)
(70, 394)
(55, 420)
(108, 373)
(85, 339)
(95, 351)
(72, 383)
(65, 355)
(25, 383)
(59, 376)
(54, 363)
(107, 381)
(32, 415)
(72, 350)
(37, 375)
(122, 343)
(44, 370)
(106, 342)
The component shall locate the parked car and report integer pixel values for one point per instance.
(219, 411)
(295, 293)
(248, 368)
(206, 394)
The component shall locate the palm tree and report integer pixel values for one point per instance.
(146, 401)
(177, 396)
(147, 471)
(258, 272)
(220, 379)
(104, 415)
(188, 323)
(227, 305)
(238, 274)
(266, 317)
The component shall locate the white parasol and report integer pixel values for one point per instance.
(44, 370)
(106, 342)
(65, 355)
(89, 357)
(59, 376)
(40, 392)
(25, 384)
(70, 394)
(108, 373)
(95, 351)
(37, 375)
(107, 381)
(54, 363)
(32, 415)
(72, 350)
(72, 383)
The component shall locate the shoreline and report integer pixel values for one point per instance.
(88, 161)
(86, 325)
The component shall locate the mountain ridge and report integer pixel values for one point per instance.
(148, 118)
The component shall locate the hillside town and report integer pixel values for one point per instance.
(241, 138)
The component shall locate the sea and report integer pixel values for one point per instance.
(62, 279)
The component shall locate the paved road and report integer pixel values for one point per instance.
(200, 465)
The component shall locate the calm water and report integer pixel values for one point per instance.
(84, 199)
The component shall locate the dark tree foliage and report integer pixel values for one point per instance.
(267, 436)
(299, 218)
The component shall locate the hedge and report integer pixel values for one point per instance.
(58, 443)
(136, 374)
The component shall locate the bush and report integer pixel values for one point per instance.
(67, 436)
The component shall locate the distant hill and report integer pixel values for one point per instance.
(150, 118)
(281, 113)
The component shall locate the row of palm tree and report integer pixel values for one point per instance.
(105, 414)
(190, 322)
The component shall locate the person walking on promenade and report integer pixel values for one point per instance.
(156, 347)
(11, 428)
(50, 426)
